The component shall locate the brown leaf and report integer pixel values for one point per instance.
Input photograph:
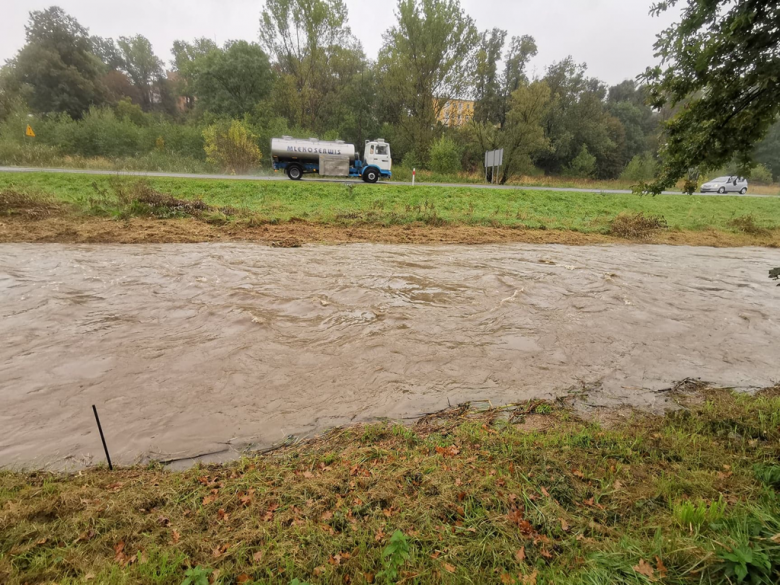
(257, 556)
(644, 568)
(163, 521)
(578, 473)
(380, 535)
(545, 492)
(449, 568)
(507, 579)
(458, 481)
(41, 541)
(308, 474)
(246, 498)
(589, 502)
(436, 554)
(564, 525)
(119, 555)
(617, 486)
(214, 576)
(660, 567)
(520, 555)
(175, 536)
(327, 516)
(269, 514)
(461, 496)
(220, 550)
(529, 579)
(369, 577)
(210, 499)
(319, 570)
(222, 514)
(243, 578)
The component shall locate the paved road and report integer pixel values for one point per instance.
(281, 177)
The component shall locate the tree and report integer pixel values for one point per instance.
(768, 150)
(583, 165)
(57, 65)
(521, 51)
(107, 51)
(523, 134)
(233, 148)
(426, 60)
(721, 63)
(185, 57)
(302, 37)
(445, 157)
(231, 81)
(143, 68)
(488, 90)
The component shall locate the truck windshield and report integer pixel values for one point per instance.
(382, 149)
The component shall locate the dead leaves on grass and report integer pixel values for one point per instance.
(653, 574)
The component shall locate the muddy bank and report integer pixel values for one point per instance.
(210, 348)
(69, 230)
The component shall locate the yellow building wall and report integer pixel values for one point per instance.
(456, 113)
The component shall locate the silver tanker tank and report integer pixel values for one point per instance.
(288, 149)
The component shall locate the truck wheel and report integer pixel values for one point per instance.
(371, 176)
(295, 173)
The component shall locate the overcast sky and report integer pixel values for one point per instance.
(614, 37)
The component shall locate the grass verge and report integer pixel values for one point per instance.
(249, 204)
(529, 494)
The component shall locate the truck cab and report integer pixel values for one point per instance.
(378, 154)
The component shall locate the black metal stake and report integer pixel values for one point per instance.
(102, 438)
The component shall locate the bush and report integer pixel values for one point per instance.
(583, 165)
(412, 161)
(234, 149)
(641, 168)
(761, 175)
(445, 156)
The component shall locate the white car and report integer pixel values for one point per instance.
(726, 185)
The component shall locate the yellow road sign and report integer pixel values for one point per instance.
(30, 131)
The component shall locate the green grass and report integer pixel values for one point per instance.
(361, 204)
(466, 496)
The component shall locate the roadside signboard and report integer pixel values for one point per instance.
(493, 160)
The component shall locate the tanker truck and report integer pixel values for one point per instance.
(297, 157)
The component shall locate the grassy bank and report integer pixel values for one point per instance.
(254, 203)
(527, 495)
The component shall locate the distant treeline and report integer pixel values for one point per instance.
(307, 75)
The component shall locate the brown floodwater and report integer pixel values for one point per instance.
(206, 349)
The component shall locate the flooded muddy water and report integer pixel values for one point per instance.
(210, 348)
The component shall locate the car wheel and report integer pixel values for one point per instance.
(722, 190)
(371, 176)
(744, 191)
(295, 173)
